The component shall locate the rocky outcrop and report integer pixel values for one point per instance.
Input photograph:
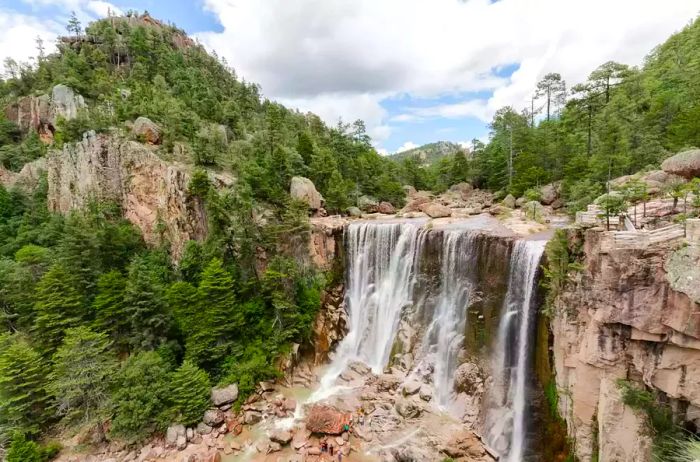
(434, 210)
(629, 314)
(152, 193)
(41, 113)
(685, 164)
(549, 193)
(330, 325)
(304, 190)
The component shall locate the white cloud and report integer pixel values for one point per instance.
(102, 9)
(310, 50)
(18, 33)
(407, 146)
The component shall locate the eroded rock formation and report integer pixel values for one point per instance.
(628, 314)
(152, 193)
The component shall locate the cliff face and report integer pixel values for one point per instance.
(630, 314)
(152, 192)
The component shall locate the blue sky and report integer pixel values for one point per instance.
(415, 71)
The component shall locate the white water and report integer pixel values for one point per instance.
(382, 265)
(505, 420)
(445, 334)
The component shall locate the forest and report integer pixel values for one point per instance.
(98, 327)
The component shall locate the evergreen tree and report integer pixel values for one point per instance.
(23, 401)
(189, 393)
(23, 450)
(109, 307)
(211, 336)
(140, 397)
(82, 373)
(183, 302)
(58, 307)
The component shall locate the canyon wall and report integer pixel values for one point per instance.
(152, 193)
(632, 314)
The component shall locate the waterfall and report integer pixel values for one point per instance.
(382, 263)
(445, 334)
(507, 401)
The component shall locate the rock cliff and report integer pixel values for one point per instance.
(633, 314)
(152, 193)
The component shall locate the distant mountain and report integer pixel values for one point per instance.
(429, 153)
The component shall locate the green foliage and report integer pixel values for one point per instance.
(23, 400)
(23, 450)
(140, 397)
(612, 205)
(109, 308)
(249, 366)
(199, 183)
(83, 369)
(556, 271)
(189, 393)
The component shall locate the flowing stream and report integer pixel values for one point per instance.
(506, 422)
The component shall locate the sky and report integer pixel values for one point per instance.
(416, 71)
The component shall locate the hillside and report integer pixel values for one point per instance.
(429, 153)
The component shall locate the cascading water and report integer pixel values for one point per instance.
(445, 334)
(506, 419)
(382, 266)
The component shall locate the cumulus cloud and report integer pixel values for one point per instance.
(18, 33)
(408, 145)
(310, 50)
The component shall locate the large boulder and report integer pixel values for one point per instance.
(685, 164)
(282, 437)
(407, 408)
(464, 189)
(327, 420)
(354, 212)
(213, 417)
(303, 189)
(224, 395)
(509, 201)
(65, 103)
(147, 130)
(368, 204)
(386, 208)
(549, 193)
(434, 210)
(173, 433)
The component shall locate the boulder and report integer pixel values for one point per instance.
(203, 429)
(173, 433)
(462, 188)
(407, 408)
(354, 212)
(409, 190)
(65, 103)
(387, 382)
(509, 201)
(304, 190)
(685, 164)
(327, 420)
(467, 378)
(148, 130)
(252, 417)
(386, 208)
(434, 210)
(368, 204)
(520, 201)
(225, 395)
(549, 193)
(266, 386)
(410, 388)
(213, 417)
(181, 442)
(281, 436)
(414, 204)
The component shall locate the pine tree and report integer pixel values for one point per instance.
(23, 450)
(189, 393)
(140, 396)
(181, 298)
(82, 374)
(110, 314)
(58, 307)
(212, 327)
(23, 401)
(74, 25)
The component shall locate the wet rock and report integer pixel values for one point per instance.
(267, 386)
(387, 382)
(213, 417)
(314, 451)
(468, 378)
(407, 408)
(410, 388)
(252, 417)
(281, 436)
(225, 395)
(425, 394)
(203, 429)
(274, 447)
(327, 420)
